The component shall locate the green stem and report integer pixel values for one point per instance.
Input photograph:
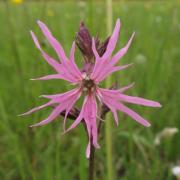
(108, 131)
(92, 155)
(109, 148)
(91, 163)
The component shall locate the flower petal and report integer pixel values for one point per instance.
(92, 120)
(129, 99)
(105, 100)
(116, 91)
(61, 96)
(88, 113)
(51, 117)
(100, 65)
(94, 49)
(88, 125)
(133, 114)
(112, 101)
(77, 121)
(53, 76)
(70, 68)
(71, 65)
(125, 88)
(69, 104)
(54, 43)
(122, 52)
(102, 62)
(115, 116)
(37, 108)
(80, 117)
(139, 100)
(107, 71)
(49, 59)
(66, 103)
(112, 41)
(113, 110)
(67, 68)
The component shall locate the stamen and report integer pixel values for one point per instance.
(87, 83)
(85, 88)
(85, 76)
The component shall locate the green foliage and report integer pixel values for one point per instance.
(43, 153)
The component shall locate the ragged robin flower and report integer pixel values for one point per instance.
(99, 64)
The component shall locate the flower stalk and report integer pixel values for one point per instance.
(91, 163)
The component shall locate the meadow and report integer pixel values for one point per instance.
(43, 153)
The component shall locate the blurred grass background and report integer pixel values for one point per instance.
(42, 153)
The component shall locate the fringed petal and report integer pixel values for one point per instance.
(57, 98)
(72, 70)
(49, 77)
(55, 113)
(37, 108)
(104, 100)
(133, 114)
(102, 62)
(49, 59)
(88, 126)
(79, 118)
(116, 92)
(88, 113)
(117, 95)
(66, 103)
(94, 50)
(69, 105)
(106, 72)
(112, 41)
(100, 65)
(92, 121)
(125, 88)
(138, 100)
(112, 101)
(68, 69)
(54, 43)
(122, 52)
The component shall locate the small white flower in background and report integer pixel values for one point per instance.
(140, 59)
(176, 171)
(165, 133)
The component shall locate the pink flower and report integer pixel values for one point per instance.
(87, 83)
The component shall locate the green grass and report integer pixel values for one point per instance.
(42, 153)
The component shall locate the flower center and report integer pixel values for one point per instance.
(87, 84)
